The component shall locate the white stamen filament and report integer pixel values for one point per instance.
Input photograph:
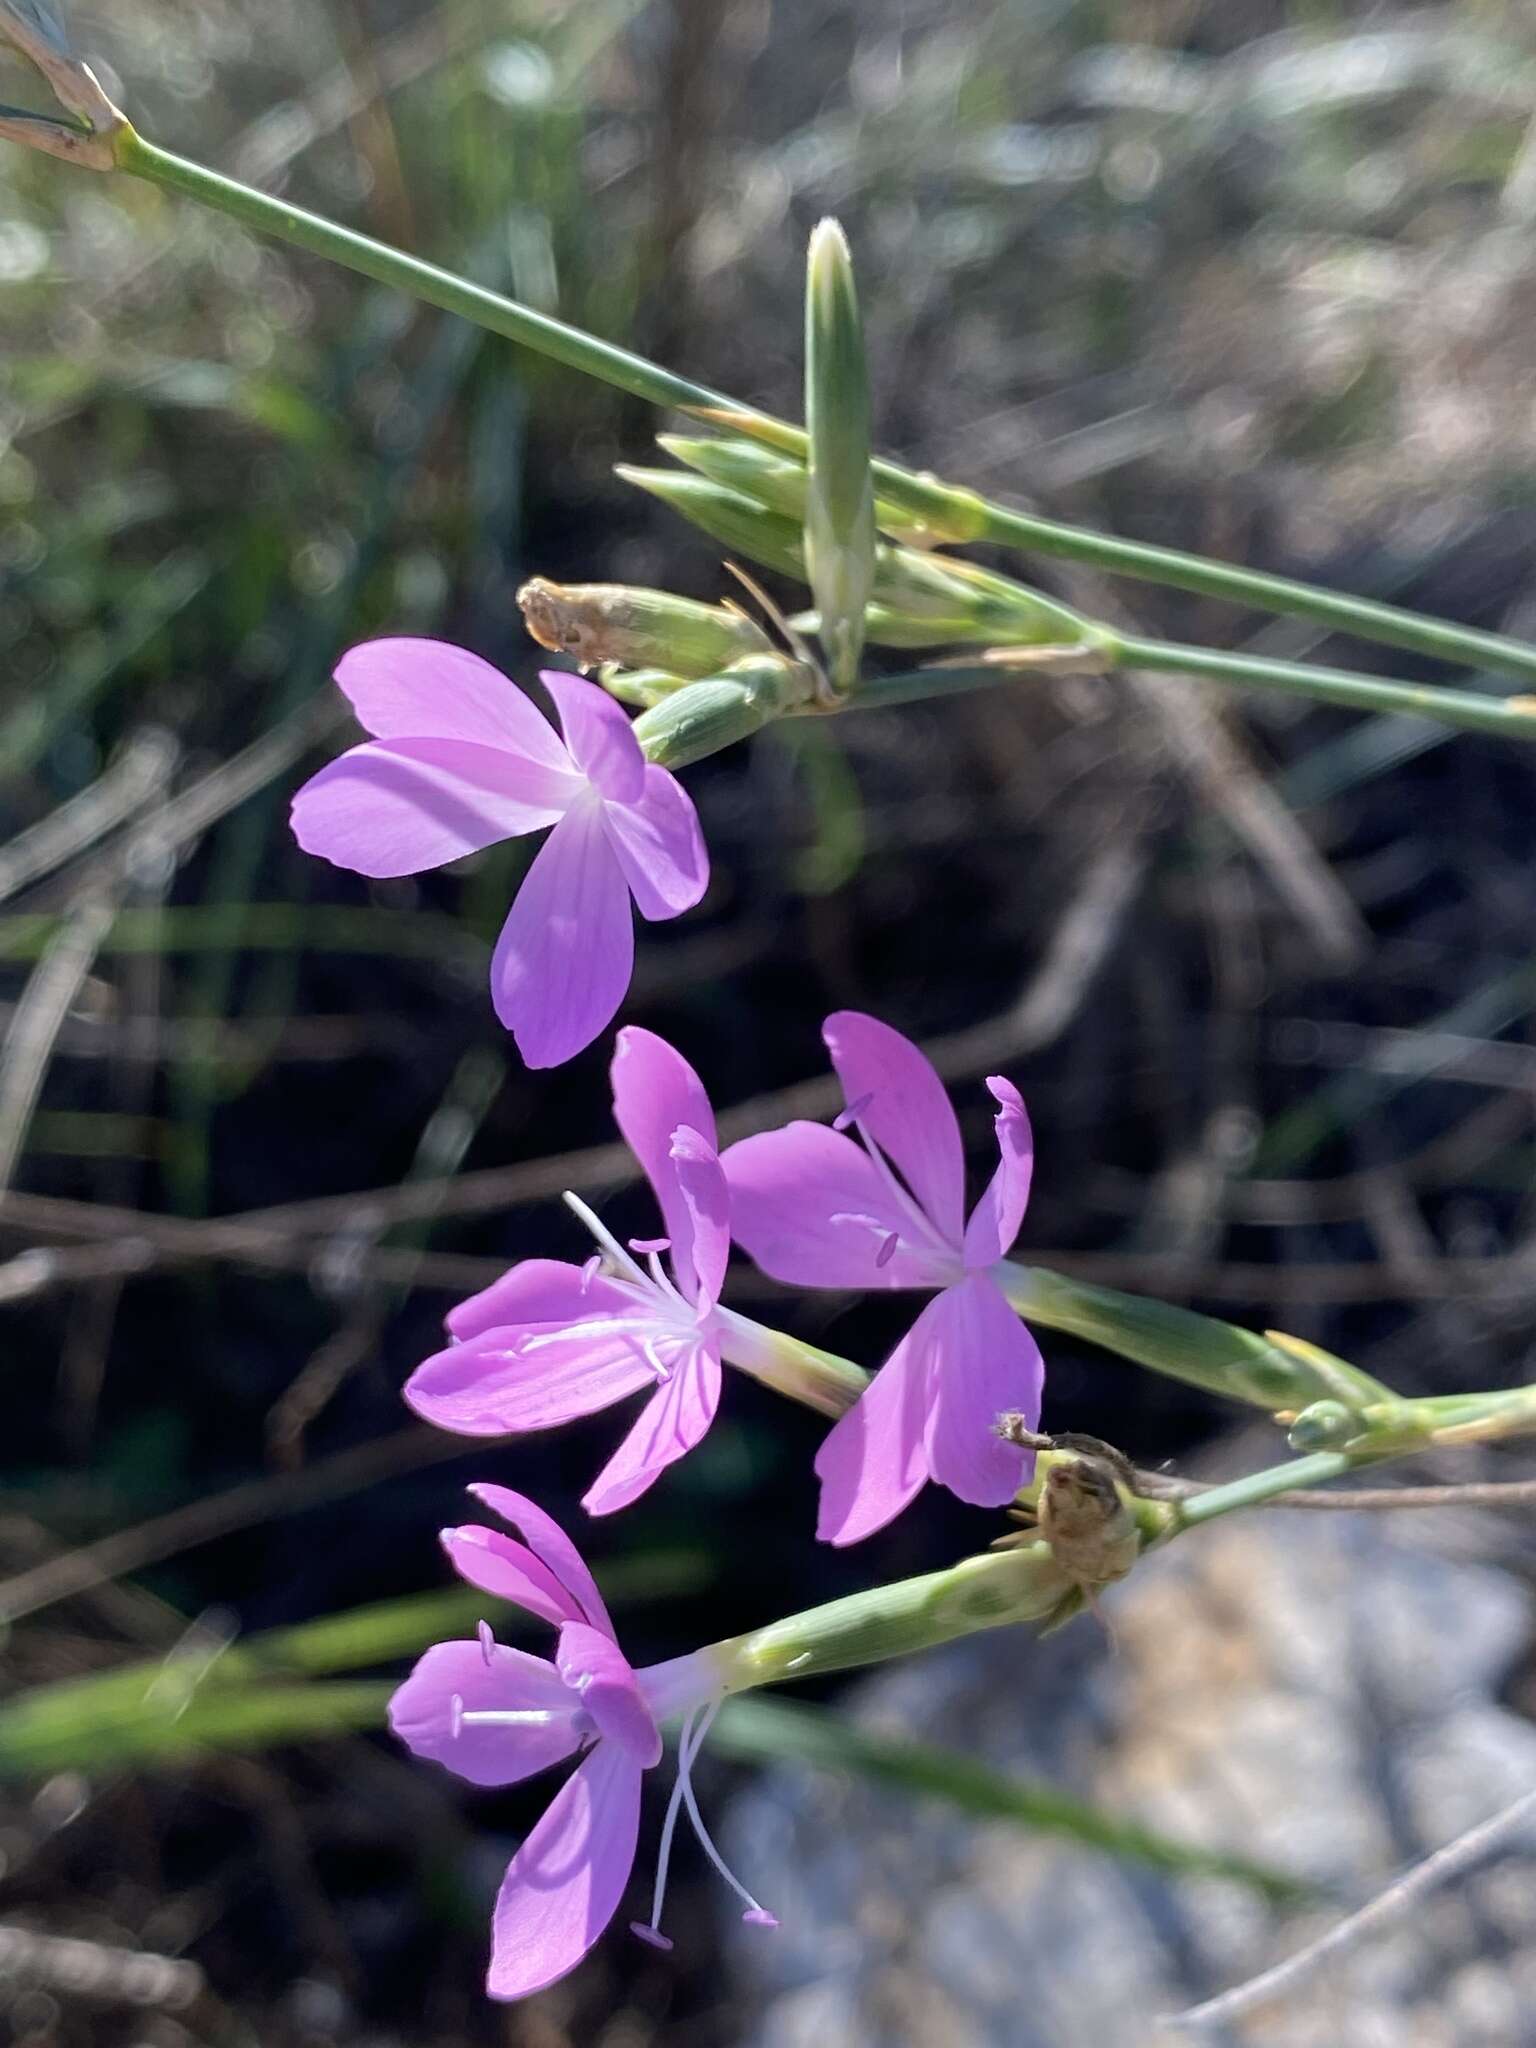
(923, 1234)
(686, 1752)
(511, 1717)
(668, 1829)
(595, 1326)
(604, 1236)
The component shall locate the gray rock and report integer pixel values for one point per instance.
(1315, 1691)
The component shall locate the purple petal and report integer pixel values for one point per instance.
(399, 807)
(422, 1712)
(492, 1387)
(708, 1201)
(597, 1670)
(996, 1217)
(907, 1112)
(871, 1463)
(670, 1423)
(508, 1570)
(597, 731)
(657, 842)
(564, 1885)
(654, 1091)
(981, 1363)
(426, 689)
(554, 1549)
(811, 1208)
(563, 961)
(535, 1291)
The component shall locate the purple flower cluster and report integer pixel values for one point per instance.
(459, 758)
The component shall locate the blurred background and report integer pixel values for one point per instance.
(1252, 277)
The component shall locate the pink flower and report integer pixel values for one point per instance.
(496, 1716)
(460, 759)
(816, 1209)
(551, 1341)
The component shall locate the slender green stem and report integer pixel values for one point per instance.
(947, 512)
(1258, 1487)
(1361, 617)
(1465, 710)
(425, 281)
(1513, 717)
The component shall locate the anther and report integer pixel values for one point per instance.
(887, 1251)
(853, 1112)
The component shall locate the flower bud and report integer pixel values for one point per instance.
(638, 629)
(703, 717)
(641, 686)
(1323, 1426)
(777, 481)
(840, 502)
(1273, 1372)
(730, 517)
(1023, 1584)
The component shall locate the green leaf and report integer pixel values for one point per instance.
(159, 1725)
(161, 1709)
(764, 1730)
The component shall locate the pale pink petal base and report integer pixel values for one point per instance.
(564, 1885)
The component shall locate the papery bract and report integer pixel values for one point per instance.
(459, 758)
(551, 1341)
(816, 1209)
(495, 1716)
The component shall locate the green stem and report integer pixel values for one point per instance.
(1513, 717)
(1466, 710)
(425, 281)
(1365, 619)
(1258, 1487)
(948, 513)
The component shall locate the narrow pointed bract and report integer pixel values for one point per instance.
(840, 499)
